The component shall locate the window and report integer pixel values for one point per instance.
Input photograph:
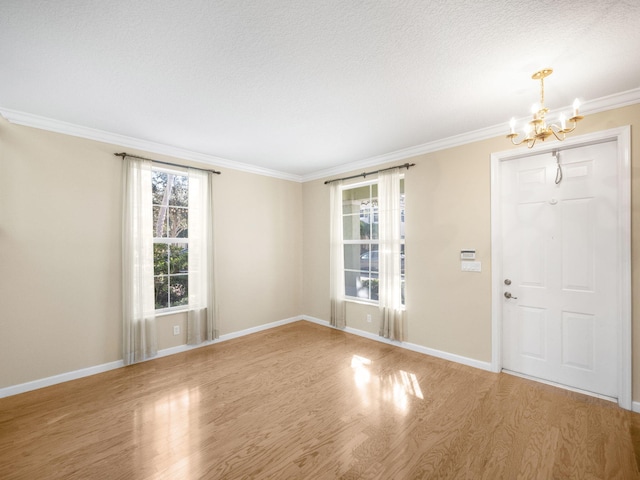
(360, 240)
(167, 253)
(170, 200)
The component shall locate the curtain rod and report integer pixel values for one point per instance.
(125, 154)
(364, 174)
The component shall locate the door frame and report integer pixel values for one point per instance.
(622, 137)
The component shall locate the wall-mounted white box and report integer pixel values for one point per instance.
(467, 254)
(471, 266)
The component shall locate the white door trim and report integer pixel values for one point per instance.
(622, 136)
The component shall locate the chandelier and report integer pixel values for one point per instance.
(537, 129)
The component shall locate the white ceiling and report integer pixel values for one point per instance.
(300, 86)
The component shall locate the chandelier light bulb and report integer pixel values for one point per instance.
(576, 106)
(563, 121)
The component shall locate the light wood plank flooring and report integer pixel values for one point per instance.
(304, 401)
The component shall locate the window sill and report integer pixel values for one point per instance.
(370, 303)
(361, 301)
(164, 313)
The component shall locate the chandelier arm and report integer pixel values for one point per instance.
(569, 130)
(513, 137)
(557, 130)
(530, 140)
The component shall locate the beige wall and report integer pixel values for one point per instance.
(448, 209)
(60, 251)
(60, 241)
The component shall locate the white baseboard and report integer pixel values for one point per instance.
(452, 357)
(318, 321)
(259, 328)
(105, 367)
(635, 407)
(63, 377)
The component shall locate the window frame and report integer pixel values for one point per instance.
(169, 241)
(371, 241)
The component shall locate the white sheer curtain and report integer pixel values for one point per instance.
(139, 327)
(336, 257)
(390, 293)
(202, 313)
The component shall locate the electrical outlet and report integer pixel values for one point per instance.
(368, 318)
(176, 329)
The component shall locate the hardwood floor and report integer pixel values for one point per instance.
(308, 402)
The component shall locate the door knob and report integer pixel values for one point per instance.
(507, 281)
(508, 295)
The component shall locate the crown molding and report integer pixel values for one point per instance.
(610, 102)
(409, 152)
(58, 126)
(616, 100)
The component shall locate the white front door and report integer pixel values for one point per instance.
(560, 264)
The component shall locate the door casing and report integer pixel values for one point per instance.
(622, 137)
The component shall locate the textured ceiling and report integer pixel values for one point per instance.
(301, 86)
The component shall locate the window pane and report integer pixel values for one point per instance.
(351, 227)
(160, 259)
(158, 186)
(402, 259)
(180, 191)
(361, 285)
(356, 284)
(162, 291)
(363, 257)
(373, 287)
(374, 223)
(160, 222)
(178, 291)
(355, 199)
(365, 225)
(179, 258)
(373, 258)
(374, 211)
(354, 259)
(359, 227)
(178, 227)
